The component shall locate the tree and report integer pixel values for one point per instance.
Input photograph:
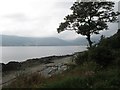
(89, 18)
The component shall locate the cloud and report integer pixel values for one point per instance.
(68, 35)
(63, 4)
(17, 17)
(31, 17)
(35, 17)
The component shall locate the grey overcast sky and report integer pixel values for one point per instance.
(37, 18)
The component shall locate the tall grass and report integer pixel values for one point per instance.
(24, 80)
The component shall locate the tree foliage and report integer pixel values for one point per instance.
(89, 18)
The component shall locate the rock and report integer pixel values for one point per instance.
(11, 66)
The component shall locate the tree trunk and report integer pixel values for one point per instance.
(89, 40)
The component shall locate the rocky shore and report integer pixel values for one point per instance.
(46, 66)
(13, 65)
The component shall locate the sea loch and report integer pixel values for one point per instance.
(22, 53)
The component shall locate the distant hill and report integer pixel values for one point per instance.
(83, 40)
(30, 41)
(8, 40)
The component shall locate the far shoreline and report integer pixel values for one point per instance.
(16, 66)
(44, 45)
(6, 61)
(36, 55)
(44, 57)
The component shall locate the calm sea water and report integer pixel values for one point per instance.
(23, 53)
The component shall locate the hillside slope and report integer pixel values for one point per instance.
(30, 41)
(8, 40)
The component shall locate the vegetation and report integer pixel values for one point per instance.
(89, 18)
(96, 68)
(104, 53)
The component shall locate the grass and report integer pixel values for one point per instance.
(87, 75)
(26, 80)
(101, 79)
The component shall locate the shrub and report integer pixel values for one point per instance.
(101, 55)
(112, 42)
(89, 66)
(81, 57)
